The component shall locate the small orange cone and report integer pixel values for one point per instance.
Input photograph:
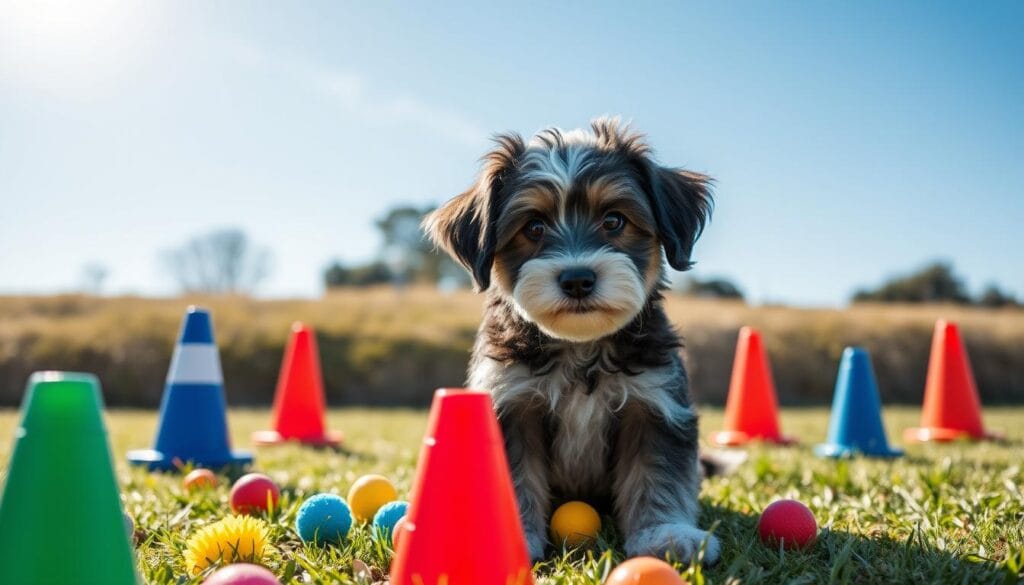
(462, 526)
(299, 403)
(751, 410)
(952, 409)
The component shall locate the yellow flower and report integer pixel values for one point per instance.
(233, 539)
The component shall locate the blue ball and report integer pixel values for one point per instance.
(323, 518)
(388, 515)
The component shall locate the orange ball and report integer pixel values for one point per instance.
(644, 571)
(575, 524)
(199, 479)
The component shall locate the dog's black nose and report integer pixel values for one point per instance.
(577, 282)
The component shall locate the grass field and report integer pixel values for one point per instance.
(942, 514)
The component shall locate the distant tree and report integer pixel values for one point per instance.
(405, 247)
(370, 274)
(221, 261)
(995, 297)
(719, 288)
(933, 283)
(409, 253)
(94, 275)
(406, 256)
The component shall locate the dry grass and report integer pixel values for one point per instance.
(384, 346)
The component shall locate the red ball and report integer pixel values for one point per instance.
(251, 493)
(242, 574)
(788, 521)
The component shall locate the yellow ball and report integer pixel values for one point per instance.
(575, 523)
(368, 494)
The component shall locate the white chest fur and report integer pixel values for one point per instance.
(579, 448)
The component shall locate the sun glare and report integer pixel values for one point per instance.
(71, 45)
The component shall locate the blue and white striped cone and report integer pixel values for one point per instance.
(193, 414)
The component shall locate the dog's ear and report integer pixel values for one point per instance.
(681, 201)
(464, 227)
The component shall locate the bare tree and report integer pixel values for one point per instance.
(222, 261)
(93, 276)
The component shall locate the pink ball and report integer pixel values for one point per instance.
(398, 532)
(249, 495)
(788, 521)
(242, 574)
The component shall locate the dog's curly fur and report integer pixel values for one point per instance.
(585, 371)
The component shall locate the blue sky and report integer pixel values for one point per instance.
(849, 141)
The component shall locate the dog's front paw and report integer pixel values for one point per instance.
(682, 540)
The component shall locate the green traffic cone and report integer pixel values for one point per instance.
(60, 512)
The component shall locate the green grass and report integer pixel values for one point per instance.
(945, 513)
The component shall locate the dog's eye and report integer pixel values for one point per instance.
(535, 230)
(613, 222)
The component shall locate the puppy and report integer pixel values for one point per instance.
(566, 235)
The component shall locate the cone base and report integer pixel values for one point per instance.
(737, 438)
(157, 461)
(267, 438)
(835, 450)
(945, 435)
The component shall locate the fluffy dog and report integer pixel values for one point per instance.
(566, 235)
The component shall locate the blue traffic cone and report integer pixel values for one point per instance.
(193, 413)
(856, 423)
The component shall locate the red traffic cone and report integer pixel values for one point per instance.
(751, 410)
(462, 527)
(299, 403)
(952, 409)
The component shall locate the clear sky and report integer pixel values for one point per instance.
(849, 141)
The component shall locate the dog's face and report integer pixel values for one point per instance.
(570, 227)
